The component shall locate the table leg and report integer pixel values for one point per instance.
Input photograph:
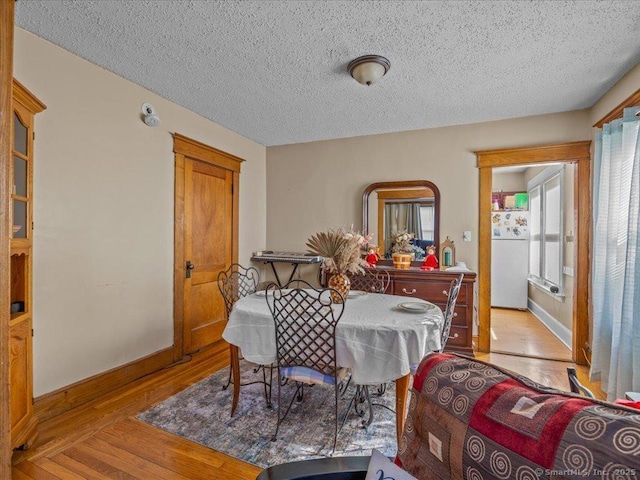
(235, 374)
(402, 389)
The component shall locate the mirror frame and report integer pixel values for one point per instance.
(410, 184)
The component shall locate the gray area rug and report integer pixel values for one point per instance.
(201, 413)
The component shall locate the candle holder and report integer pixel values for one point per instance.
(447, 254)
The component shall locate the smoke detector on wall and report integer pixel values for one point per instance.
(149, 115)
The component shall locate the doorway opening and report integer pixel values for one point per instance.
(575, 152)
(532, 260)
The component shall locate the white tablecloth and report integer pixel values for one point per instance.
(375, 338)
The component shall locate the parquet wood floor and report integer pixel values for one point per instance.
(103, 440)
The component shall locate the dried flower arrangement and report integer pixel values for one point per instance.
(342, 250)
(401, 242)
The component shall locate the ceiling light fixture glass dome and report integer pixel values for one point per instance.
(368, 69)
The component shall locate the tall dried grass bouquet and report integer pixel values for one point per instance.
(342, 250)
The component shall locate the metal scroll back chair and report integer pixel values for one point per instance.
(234, 283)
(305, 326)
(375, 281)
(449, 312)
(576, 386)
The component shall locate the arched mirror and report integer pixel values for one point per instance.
(391, 207)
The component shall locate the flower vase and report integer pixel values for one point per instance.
(341, 284)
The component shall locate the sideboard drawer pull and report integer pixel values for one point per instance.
(455, 335)
(444, 292)
(413, 290)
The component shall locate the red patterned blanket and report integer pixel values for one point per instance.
(471, 420)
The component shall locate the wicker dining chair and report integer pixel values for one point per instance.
(372, 280)
(234, 283)
(305, 327)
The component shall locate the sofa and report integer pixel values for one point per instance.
(471, 420)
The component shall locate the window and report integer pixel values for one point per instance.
(427, 223)
(545, 241)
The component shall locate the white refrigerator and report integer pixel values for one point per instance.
(509, 259)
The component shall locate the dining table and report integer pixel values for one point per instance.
(379, 337)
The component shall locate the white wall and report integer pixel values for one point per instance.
(317, 185)
(502, 181)
(103, 212)
(616, 95)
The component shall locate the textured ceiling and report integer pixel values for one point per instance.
(275, 71)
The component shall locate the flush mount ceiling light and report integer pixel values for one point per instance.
(369, 68)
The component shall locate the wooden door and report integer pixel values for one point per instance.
(206, 240)
(208, 237)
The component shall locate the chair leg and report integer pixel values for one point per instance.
(335, 432)
(300, 392)
(234, 373)
(363, 397)
(226, 385)
(267, 387)
(281, 418)
(274, 437)
(344, 386)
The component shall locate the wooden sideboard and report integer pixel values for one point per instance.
(433, 287)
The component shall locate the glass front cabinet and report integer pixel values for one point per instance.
(23, 420)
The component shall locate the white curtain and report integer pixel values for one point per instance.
(402, 216)
(616, 265)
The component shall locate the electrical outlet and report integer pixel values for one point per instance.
(466, 236)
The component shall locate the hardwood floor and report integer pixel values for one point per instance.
(103, 440)
(519, 332)
(547, 372)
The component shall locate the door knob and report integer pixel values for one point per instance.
(190, 266)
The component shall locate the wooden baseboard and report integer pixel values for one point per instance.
(76, 394)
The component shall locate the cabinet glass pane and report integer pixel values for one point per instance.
(19, 177)
(19, 135)
(19, 219)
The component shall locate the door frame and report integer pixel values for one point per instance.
(6, 117)
(183, 148)
(574, 152)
